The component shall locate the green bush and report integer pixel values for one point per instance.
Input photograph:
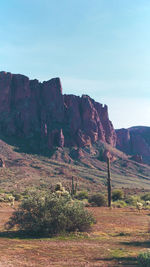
(117, 194)
(132, 200)
(97, 200)
(119, 204)
(144, 259)
(82, 195)
(51, 214)
(146, 197)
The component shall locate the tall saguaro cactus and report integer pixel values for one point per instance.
(108, 182)
(73, 187)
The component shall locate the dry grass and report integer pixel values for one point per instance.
(116, 240)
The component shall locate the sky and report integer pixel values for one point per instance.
(97, 47)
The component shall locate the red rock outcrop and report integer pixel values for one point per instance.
(135, 141)
(40, 112)
(87, 121)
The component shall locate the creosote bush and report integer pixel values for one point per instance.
(97, 200)
(144, 259)
(50, 214)
(117, 194)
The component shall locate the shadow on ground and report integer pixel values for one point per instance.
(20, 235)
(144, 244)
(120, 261)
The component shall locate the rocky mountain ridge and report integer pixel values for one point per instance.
(40, 113)
(135, 141)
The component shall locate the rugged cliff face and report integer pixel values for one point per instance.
(135, 141)
(39, 111)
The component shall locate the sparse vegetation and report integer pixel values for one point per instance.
(116, 239)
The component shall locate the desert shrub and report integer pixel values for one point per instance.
(51, 214)
(119, 204)
(147, 203)
(144, 259)
(85, 202)
(132, 200)
(2, 199)
(6, 197)
(97, 200)
(117, 194)
(146, 197)
(17, 196)
(82, 195)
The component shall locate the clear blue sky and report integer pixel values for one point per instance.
(97, 47)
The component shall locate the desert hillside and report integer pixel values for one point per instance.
(23, 170)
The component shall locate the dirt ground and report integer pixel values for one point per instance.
(116, 240)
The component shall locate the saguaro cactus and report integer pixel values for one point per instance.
(73, 187)
(108, 182)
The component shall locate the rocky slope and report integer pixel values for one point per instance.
(40, 113)
(24, 171)
(135, 141)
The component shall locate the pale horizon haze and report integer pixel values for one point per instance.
(100, 48)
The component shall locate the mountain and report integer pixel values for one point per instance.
(46, 137)
(135, 141)
(40, 113)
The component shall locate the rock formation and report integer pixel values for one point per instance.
(40, 112)
(135, 141)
